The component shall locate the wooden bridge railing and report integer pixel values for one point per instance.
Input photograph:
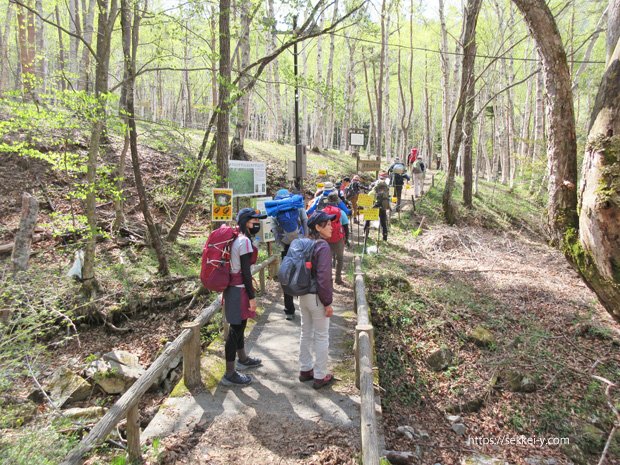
(364, 377)
(127, 406)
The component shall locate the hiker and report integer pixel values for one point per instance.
(352, 192)
(398, 174)
(412, 156)
(381, 191)
(320, 200)
(240, 298)
(316, 307)
(291, 222)
(418, 170)
(340, 234)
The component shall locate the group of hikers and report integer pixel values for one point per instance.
(313, 231)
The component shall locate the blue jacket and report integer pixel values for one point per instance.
(315, 203)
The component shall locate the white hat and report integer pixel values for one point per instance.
(328, 186)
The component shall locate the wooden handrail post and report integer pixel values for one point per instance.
(261, 275)
(370, 446)
(359, 329)
(133, 434)
(191, 357)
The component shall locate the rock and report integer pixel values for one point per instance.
(65, 387)
(468, 406)
(423, 435)
(406, 431)
(174, 363)
(459, 428)
(516, 381)
(116, 372)
(482, 337)
(88, 413)
(479, 459)
(540, 461)
(403, 458)
(454, 418)
(440, 359)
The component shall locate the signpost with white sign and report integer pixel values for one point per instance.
(247, 178)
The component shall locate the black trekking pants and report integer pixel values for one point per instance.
(235, 340)
(289, 305)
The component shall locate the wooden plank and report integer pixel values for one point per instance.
(370, 441)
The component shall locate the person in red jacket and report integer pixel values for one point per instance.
(316, 308)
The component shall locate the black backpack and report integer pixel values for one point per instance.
(295, 276)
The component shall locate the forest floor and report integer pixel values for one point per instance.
(428, 289)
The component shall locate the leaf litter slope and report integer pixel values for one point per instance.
(546, 324)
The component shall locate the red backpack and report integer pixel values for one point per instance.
(215, 267)
(337, 229)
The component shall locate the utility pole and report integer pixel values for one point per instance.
(299, 182)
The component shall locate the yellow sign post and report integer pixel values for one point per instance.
(371, 214)
(221, 206)
(322, 172)
(365, 200)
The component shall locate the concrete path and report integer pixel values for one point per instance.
(276, 397)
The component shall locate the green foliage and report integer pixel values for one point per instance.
(41, 446)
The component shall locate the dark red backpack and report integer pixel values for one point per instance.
(337, 229)
(215, 267)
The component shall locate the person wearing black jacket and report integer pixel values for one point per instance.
(398, 174)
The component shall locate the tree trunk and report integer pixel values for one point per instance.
(329, 83)
(445, 91)
(371, 133)
(562, 143)
(349, 95)
(74, 28)
(466, 89)
(318, 118)
(275, 72)
(243, 105)
(224, 93)
(428, 136)
(131, 34)
(539, 130)
(379, 83)
(40, 46)
(4, 50)
(61, 53)
(598, 258)
(26, 37)
(468, 142)
(105, 26)
(84, 82)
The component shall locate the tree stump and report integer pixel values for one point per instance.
(23, 238)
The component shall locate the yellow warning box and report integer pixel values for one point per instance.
(394, 200)
(371, 214)
(322, 172)
(365, 200)
(221, 206)
(319, 185)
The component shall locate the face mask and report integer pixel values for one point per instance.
(254, 229)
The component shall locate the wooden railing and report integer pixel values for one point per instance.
(127, 406)
(364, 377)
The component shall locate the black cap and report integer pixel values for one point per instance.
(247, 213)
(318, 218)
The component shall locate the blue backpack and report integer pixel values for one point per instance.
(285, 209)
(296, 274)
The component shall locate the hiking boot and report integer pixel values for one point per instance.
(306, 375)
(290, 316)
(236, 379)
(249, 363)
(319, 383)
(340, 282)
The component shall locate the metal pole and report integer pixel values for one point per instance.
(298, 157)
